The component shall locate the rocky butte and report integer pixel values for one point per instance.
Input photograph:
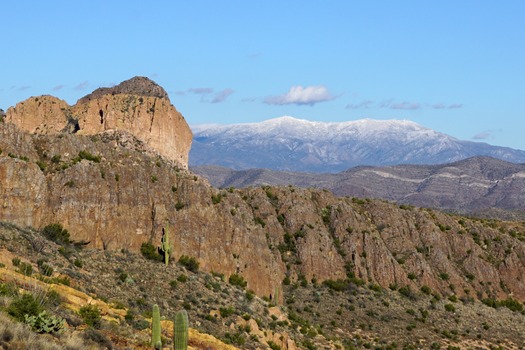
(138, 106)
(112, 170)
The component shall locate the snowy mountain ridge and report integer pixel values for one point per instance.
(287, 143)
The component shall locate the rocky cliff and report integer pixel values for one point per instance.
(473, 185)
(138, 106)
(112, 191)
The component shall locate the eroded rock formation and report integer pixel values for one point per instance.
(138, 106)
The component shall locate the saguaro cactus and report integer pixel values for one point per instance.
(180, 331)
(155, 328)
(165, 247)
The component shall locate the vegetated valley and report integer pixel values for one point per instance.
(257, 268)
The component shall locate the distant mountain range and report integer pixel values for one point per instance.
(292, 144)
(474, 185)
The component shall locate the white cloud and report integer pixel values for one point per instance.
(299, 95)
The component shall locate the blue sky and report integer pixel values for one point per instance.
(455, 66)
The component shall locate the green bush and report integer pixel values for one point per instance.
(91, 315)
(189, 262)
(226, 311)
(174, 284)
(57, 234)
(407, 292)
(149, 251)
(426, 290)
(88, 156)
(273, 345)
(45, 269)
(450, 308)
(182, 278)
(8, 289)
(25, 268)
(237, 280)
(337, 285)
(24, 305)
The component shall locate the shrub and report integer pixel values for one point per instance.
(511, 304)
(174, 284)
(226, 311)
(91, 315)
(407, 292)
(189, 262)
(259, 221)
(26, 304)
(273, 345)
(25, 268)
(182, 278)
(250, 295)
(444, 276)
(337, 285)
(45, 269)
(450, 307)
(149, 251)
(237, 280)
(15, 261)
(57, 234)
(426, 290)
(56, 158)
(88, 156)
(78, 263)
(8, 289)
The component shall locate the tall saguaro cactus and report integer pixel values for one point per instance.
(155, 328)
(180, 331)
(165, 245)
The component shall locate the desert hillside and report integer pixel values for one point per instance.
(289, 267)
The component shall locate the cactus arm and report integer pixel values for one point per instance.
(165, 246)
(180, 331)
(155, 328)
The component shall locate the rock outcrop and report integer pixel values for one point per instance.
(138, 106)
(41, 115)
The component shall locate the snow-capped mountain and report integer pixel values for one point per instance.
(287, 143)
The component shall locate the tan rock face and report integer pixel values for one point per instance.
(41, 115)
(138, 106)
(151, 119)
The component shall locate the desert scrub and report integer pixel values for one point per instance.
(190, 263)
(149, 251)
(237, 280)
(25, 304)
(57, 234)
(90, 314)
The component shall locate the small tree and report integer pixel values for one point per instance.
(57, 234)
